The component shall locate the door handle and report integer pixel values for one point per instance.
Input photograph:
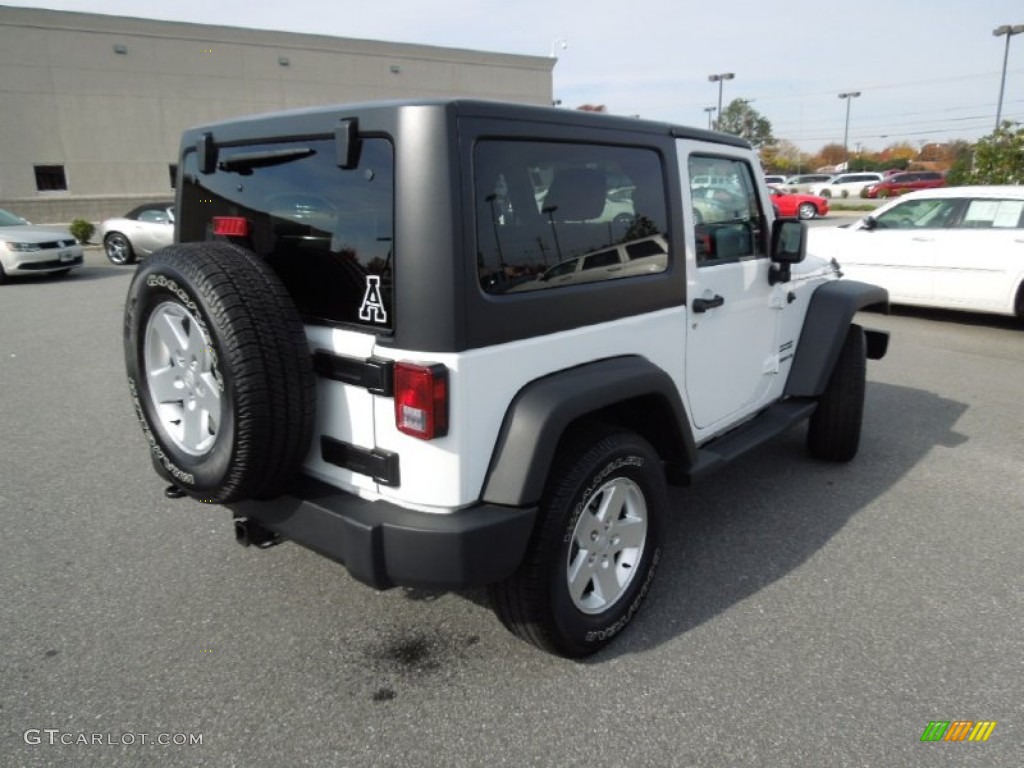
(922, 239)
(703, 305)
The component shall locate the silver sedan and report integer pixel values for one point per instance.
(29, 250)
(140, 232)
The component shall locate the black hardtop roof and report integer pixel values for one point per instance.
(322, 119)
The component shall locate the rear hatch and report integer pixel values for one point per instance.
(327, 231)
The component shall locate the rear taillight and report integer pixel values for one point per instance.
(230, 226)
(421, 400)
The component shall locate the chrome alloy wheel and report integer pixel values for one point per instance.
(118, 249)
(607, 545)
(183, 384)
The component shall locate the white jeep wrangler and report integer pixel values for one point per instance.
(362, 342)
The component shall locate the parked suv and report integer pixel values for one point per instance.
(845, 185)
(899, 183)
(357, 344)
(802, 184)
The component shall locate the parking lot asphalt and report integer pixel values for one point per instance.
(805, 614)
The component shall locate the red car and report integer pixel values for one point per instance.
(911, 181)
(790, 206)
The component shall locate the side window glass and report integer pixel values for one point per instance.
(602, 259)
(992, 214)
(542, 207)
(919, 214)
(728, 222)
(153, 215)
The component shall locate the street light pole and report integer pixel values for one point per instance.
(849, 96)
(710, 111)
(1009, 31)
(720, 78)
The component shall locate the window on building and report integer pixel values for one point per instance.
(51, 178)
(173, 170)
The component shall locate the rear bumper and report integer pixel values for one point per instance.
(384, 545)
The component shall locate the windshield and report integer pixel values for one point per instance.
(8, 219)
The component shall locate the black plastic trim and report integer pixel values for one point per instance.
(346, 143)
(373, 373)
(207, 151)
(382, 466)
(771, 422)
(877, 343)
(384, 545)
(543, 410)
(829, 315)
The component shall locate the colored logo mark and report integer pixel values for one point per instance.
(958, 730)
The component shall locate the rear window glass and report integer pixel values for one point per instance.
(327, 232)
(580, 213)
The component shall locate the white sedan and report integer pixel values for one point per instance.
(29, 250)
(955, 248)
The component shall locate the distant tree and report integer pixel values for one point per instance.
(783, 157)
(740, 119)
(901, 150)
(960, 168)
(998, 159)
(932, 153)
(830, 154)
(954, 151)
(873, 161)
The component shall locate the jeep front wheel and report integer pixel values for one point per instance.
(219, 371)
(596, 547)
(834, 430)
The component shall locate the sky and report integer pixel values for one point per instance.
(927, 70)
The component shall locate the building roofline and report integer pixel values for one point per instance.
(110, 24)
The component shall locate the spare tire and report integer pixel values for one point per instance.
(219, 371)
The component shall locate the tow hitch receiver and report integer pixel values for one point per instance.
(249, 533)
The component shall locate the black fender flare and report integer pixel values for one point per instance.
(828, 319)
(611, 390)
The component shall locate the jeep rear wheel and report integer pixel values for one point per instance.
(219, 371)
(834, 430)
(596, 547)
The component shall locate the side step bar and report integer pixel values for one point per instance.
(767, 425)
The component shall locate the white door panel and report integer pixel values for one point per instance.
(731, 346)
(902, 261)
(728, 347)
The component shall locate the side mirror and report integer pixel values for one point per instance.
(789, 246)
(869, 223)
(789, 241)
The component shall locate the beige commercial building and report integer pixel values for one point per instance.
(94, 105)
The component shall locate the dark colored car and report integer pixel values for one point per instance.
(910, 181)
